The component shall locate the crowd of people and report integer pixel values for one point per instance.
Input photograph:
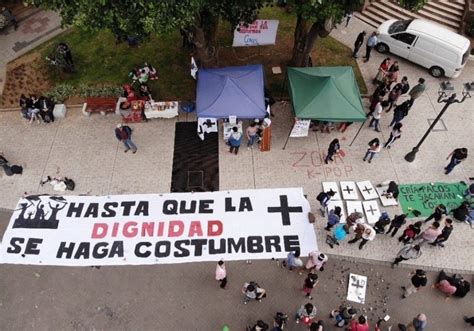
(37, 109)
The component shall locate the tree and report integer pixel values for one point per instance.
(198, 19)
(316, 18)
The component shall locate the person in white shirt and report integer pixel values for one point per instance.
(371, 43)
(374, 149)
(377, 114)
(364, 232)
(221, 274)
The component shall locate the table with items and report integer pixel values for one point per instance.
(161, 109)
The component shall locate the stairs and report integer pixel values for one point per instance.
(445, 12)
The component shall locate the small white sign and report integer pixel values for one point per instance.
(332, 186)
(300, 129)
(260, 32)
(367, 190)
(355, 206)
(383, 199)
(349, 191)
(372, 211)
(356, 288)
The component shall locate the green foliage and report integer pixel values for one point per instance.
(413, 5)
(324, 11)
(61, 92)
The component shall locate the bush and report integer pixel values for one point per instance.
(412, 5)
(62, 92)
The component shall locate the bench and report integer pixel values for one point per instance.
(99, 104)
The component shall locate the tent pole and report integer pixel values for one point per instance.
(358, 131)
(289, 134)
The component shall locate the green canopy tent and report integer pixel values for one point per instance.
(325, 94)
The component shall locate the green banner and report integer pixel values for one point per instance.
(425, 197)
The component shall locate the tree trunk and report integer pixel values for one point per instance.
(204, 36)
(305, 40)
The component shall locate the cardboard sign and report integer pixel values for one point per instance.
(356, 288)
(260, 32)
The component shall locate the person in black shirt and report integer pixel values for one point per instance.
(438, 213)
(359, 41)
(457, 156)
(417, 281)
(333, 149)
(448, 228)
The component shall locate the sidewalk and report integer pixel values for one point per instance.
(85, 149)
(34, 28)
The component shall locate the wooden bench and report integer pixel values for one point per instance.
(99, 104)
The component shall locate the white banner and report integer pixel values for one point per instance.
(300, 128)
(260, 32)
(158, 228)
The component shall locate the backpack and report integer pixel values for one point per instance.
(128, 130)
(321, 196)
(70, 185)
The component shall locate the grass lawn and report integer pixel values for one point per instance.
(99, 61)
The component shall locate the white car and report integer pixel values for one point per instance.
(441, 51)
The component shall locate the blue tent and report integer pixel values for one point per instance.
(231, 91)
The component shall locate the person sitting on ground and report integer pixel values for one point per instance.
(334, 218)
(463, 213)
(343, 315)
(280, 321)
(392, 190)
(418, 324)
(317, 326)
(382, 223)
(452, 285)
(129, 93)
(9, 170)
(306, 313)
(25, 105)
(316, 261)
(253, 291)
(293, 261)
(410, 232)
(259, 326)
(60, 184)
(360, 324)
(439, 212)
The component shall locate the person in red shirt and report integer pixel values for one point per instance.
(360, 324)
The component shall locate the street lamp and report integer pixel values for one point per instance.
(447, 96)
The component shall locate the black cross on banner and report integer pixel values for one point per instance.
(348, 190)
(371, 210)
(209, 123)
(367, 189)
(285, 210)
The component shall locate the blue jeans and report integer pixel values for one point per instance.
(369, 155)
(252, 140)
(374, 122)
(129, 144)
(454, 162)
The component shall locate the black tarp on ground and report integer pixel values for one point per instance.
(195, 162)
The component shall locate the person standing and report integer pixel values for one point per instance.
(438, 213)
(293, 261)
(323, 199)
(359, 41)
(334, 217)
(364, 232)
(383, 69)
(382, 222)
(377, 114)
(309, 283)
(234, 140)
(374, 149)
(457, 156)
(334, 148)
(371, 43)
(396, 224)
(445, 233)
(124, 134)
(392, 74)
(360, 324)
(251, 134)
(417, 282)
(410, 232)
(64, 49)
(352, 220)
(394, 94)
(417, 90)
(221, 274)
(430, 234)
(400, 112)
(408, 252)
(395, 134)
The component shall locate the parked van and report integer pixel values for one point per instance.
(430, 45)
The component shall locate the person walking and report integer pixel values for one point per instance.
(323, 198)
(251, 134)
(293, 261)
(334, 148)
(306, 313)
(334, 217)
(400, 112)
(234, 140)
(438, 213)
(358, 43)
(309, 283)
(408, 252)
(430, 234)
(221, 274)
(396, 224)
(383, 69)
(348, 18)
(373, 150)
(417, 90)
(124, 134)
(445, 233)
(364, 232)
(457, 156)
(417, 282)
(371, 43)
(395, 134)
(377, 114)
(410, 232)
(418, 324)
